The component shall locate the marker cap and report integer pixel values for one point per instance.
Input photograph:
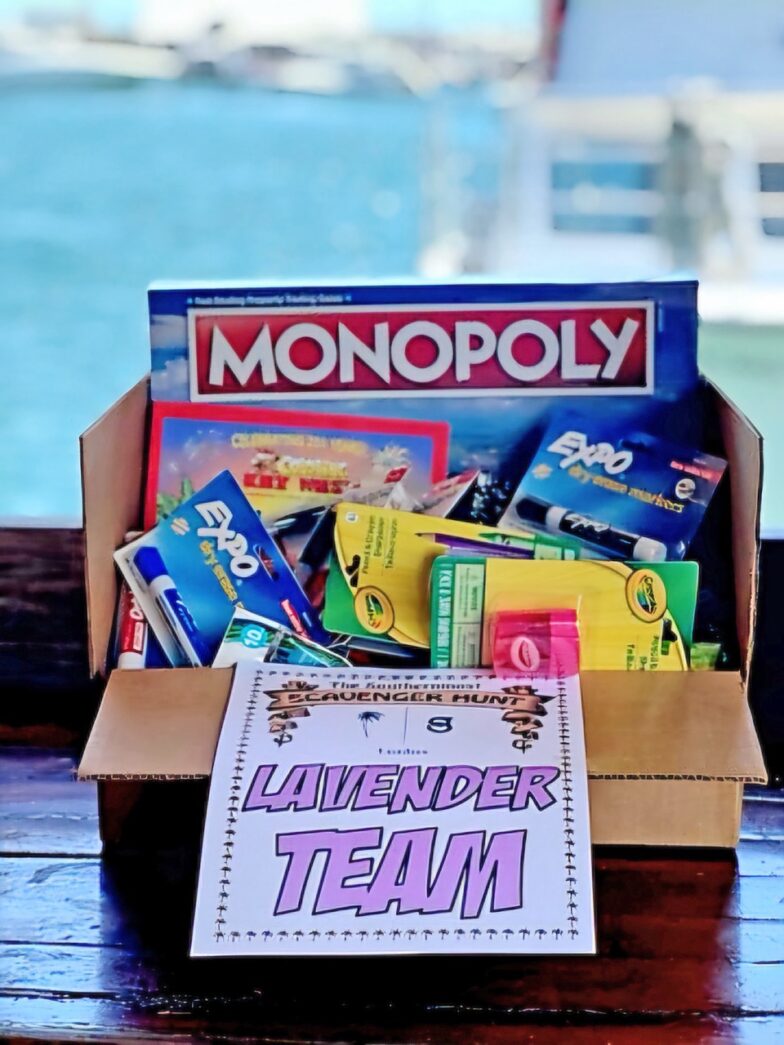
(149, 564)
(532, 511)
(648, 550)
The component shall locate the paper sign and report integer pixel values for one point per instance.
(376, 812)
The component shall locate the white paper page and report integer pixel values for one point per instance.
(312, 844)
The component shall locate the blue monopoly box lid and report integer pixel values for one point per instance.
(493, 359)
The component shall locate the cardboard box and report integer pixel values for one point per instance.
(668, 753)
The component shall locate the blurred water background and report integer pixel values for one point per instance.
(105, 188)
(102, 191)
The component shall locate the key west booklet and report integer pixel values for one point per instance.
(358, 811)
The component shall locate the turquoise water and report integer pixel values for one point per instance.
(103, 191)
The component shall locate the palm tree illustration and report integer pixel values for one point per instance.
(346, 933)
(492, 932)
(427, 933)
(298, 934)
(508, 933)
(314, 933)
(234, 936)
(283, 934)
(410, 933)
(476, 932)
(267, 935)
(367, 717)
(362, 934)
(541, 933)
(330, 934)
(396, 933)
(250, 935)
(443, 933)
(557, 933)
(525, 932)
(379, 933)
(459, 932)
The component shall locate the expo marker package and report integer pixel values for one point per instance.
(627, 495)
(211, 556)
(491, 359)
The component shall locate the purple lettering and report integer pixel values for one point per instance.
(339, 785)
(410, 790)
(403, 873)
(458, 785)
(497, 787)
(374, 789)
(334, 893)
(299, 790)
(255, 793)
(533, 786)
(499, 868)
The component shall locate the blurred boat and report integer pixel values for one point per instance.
(62, 55)
(653, 141)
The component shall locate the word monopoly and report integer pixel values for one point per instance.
(369, 812)
(251, 353)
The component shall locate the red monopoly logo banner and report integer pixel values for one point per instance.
(250, 353)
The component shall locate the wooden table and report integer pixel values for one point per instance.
(691, 948)
(691, 943)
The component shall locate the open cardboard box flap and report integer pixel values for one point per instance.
(679, 726)
(112, 461)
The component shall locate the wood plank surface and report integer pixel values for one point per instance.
(46, 696)
(691, 948)
(691, 943)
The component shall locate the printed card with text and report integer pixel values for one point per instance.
(376, 812)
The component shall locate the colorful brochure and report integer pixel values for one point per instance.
(192, 570)
(626, 495)
(288, 462)
(377, 812)
(630, 616)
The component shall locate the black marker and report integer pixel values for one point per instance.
(604, 536)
